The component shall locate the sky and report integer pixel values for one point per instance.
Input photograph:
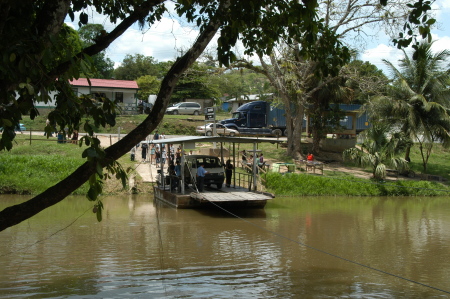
(165, 39)
(383, 48)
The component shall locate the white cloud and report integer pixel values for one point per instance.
(163, 41)
(440, 43)
(443, 3)
(382, 51)
(166, 38)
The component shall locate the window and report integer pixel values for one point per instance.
(99, 95)
(119, 97)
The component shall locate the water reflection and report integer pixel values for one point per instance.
(147, 250)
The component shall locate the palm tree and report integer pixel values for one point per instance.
(418, 102)
(379, 151)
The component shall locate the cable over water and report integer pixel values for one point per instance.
(330, 254)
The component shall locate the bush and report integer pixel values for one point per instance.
(293, 184)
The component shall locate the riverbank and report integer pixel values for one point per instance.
(32, 168)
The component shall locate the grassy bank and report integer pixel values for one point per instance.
(30, 169)
(33, 168)
(310, 185)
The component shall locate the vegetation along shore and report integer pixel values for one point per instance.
(44, 162)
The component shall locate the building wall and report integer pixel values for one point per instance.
(128, 104)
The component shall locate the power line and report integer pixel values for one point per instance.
(331, 254)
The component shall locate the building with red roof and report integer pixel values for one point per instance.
(123, 91)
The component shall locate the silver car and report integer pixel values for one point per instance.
(220, 130)
(185, 108)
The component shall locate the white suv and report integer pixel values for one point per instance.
(212, 165)
(185, 108)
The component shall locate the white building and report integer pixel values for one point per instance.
(124, 91)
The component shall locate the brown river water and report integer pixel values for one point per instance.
(319, 247)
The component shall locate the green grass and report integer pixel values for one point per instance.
(31, 169)
(293, 184)
(438, 163)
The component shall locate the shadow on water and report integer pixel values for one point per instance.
(218, 212)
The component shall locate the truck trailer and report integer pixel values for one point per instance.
(262, 118)
(258, 118)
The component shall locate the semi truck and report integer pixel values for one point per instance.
(258, 118)
(262, 118)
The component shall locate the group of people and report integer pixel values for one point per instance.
(63, 135)
(174, 172)
(157, 152)
(249, 159)
(160, 154)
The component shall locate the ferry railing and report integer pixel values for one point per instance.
(245, 180)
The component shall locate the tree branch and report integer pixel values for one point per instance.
(104, 41)
(18, 213)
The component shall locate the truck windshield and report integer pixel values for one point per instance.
(209, 162)
(236, 115)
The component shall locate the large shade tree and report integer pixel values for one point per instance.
(103, 65)
(296, 77)
(138, 65)
(33, 36)
(197, 83)
(418, 103)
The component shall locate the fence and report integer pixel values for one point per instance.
(63, 139)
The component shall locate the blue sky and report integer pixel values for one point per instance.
(383, 48)
(168, 37)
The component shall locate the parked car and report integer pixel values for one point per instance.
(220, 129)
(215, 172)
(185, 108)
(19, 128)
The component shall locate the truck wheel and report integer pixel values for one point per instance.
(195, 112)
(175, 112)
(208, 133)
(232, 134)
(285, 132)
(277, 132)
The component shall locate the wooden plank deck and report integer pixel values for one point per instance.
(230, 196)
(227, 197)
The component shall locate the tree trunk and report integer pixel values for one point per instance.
(18, 213)
(407, 153)
(316, 135)
(289, 126)
(298, 130)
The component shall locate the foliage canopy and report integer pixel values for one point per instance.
(37, 58)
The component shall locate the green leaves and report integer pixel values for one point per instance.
(98, 207)
(83, 19)
(418, 22)
(28, 86)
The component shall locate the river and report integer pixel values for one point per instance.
(319, 247)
